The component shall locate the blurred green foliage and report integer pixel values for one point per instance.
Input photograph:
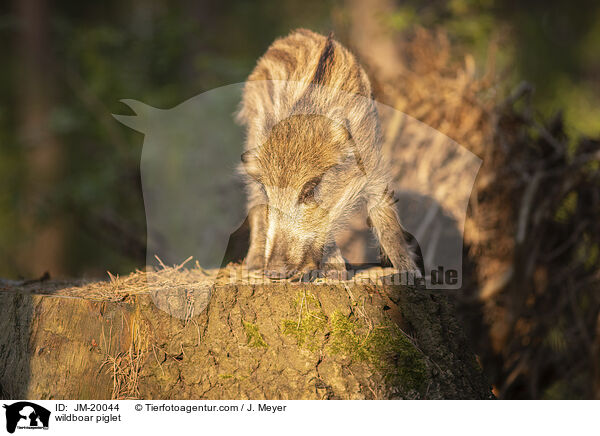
(158, 52)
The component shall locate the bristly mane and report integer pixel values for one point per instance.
(321, 75)
(325, 62)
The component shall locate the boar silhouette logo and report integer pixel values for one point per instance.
(24, 414)
(194, 196)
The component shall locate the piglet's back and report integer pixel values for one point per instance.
(308, 73)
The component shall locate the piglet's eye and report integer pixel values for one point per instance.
(307, 194)
(263, 189)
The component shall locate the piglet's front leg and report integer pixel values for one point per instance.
(257, 217)
(390, 234)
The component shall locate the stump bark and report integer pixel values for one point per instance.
(271, 341)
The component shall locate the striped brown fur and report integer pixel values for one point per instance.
(312, 156)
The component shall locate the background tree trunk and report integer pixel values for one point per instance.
(43, 248)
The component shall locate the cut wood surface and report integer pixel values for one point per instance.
(218, 339)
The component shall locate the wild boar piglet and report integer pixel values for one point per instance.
(313, 156)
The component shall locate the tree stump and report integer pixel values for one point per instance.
(344, 340)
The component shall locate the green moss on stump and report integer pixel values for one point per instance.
(309, 328)
(253, 336)
(383, 347)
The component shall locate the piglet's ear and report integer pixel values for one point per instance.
(351, 152)
(340, 124)
(249, 163)
(246, 157)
